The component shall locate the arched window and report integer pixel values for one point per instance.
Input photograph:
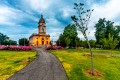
(42, 38)
(42, 29)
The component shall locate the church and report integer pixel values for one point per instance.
(41, 38)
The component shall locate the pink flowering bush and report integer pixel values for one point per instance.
(54, 47)
(2, 47)
(22, 48)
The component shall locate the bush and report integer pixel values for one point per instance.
(54, 47)
(22, 48)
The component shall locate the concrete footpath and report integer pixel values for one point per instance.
(45, 67)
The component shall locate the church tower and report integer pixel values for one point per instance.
(40, 38)
(42, 26)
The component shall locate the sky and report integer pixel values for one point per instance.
(19, 18)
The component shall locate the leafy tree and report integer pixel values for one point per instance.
(61, 41)
(83, 43)
(81, 23)
(6, 42)
(23, 42)
(12, 42)
(68, 37)
(77, 41)
(103, 28)
(92, 43)
(67, 41)
(9, 42)
(110, 43)
(105, 43)
(3, 38)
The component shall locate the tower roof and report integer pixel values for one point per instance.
(41, 19)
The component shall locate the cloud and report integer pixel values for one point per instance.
(7, 15)
(11, 16)
(22, 16)
(110, 10)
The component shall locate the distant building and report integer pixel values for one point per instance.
(41, 38)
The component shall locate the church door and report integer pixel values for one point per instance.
(37, 43)
(42, 42)
(47, 42)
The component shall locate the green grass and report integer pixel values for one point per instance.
(13, 61)
(76, 61)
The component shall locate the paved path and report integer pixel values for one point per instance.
(45, 67)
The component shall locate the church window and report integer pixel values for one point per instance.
(42, 30)
(42, 38)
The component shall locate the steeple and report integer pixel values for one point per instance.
(41, 20)
(42, 26)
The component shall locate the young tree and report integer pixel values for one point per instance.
(110, 42)
(81, 20)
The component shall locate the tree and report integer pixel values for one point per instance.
(12, 42)
(110, 42)
(23, 42)
(61, 41)
(67, 41)
(81, 20)
(103, 28)
(83, 43)
(68, 37)
(9, 42)
(77, 41)
(92, 43)
(3, 38)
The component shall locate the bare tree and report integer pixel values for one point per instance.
(81, 20)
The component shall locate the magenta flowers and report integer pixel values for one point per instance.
(54, 47)
(22, 48)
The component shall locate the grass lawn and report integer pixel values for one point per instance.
(13, 61)
(76, 61)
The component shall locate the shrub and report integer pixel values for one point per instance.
(54, 47)
(22, 48)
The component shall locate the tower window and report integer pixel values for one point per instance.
(42, 30)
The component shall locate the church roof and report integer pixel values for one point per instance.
(41, 19)
(35, 34)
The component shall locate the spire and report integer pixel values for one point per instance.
(41, 16)
(41, 19)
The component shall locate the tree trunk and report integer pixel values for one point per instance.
(91, 54)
